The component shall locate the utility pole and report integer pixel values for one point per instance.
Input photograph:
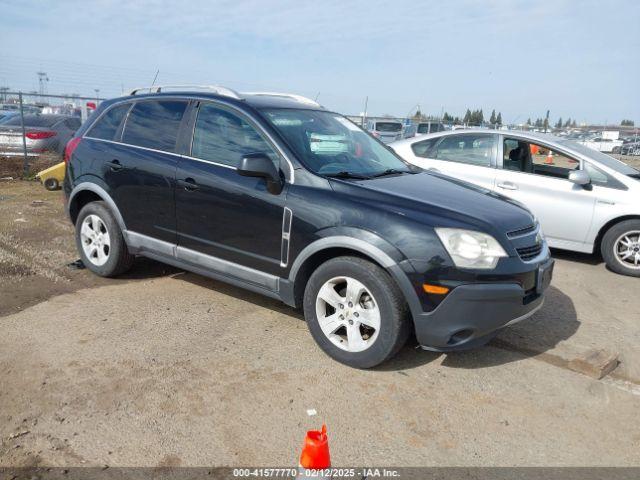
(546, 123)
(43, 79)
(97, 90)
(364, 118)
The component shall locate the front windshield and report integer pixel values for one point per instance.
(329, 144)
(603, 158)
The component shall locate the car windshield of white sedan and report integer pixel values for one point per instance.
(331, 145)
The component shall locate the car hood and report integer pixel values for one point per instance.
(451, 201)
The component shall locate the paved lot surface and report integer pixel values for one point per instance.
(169, 368)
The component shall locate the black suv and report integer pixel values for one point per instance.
(275, 194)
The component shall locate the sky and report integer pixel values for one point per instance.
(578, 59)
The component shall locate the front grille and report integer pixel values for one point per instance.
(522, 231)
(529, 253)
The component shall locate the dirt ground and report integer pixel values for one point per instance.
(166, 368)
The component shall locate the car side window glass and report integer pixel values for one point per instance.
(424, 148)
(154, 124)
(470, 149)
(222, 137)
(108, 124)
(529, 157)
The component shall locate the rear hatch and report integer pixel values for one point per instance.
(388, 131)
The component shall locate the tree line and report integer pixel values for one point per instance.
(476, 117)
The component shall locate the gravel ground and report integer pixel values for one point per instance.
(166, 368)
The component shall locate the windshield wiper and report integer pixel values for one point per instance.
(391, 171)
(345, 174)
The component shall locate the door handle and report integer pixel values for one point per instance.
(189, 184)
(508, 186)
(115, 165)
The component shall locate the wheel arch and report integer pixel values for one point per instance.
(87, 192)
(327, 248)
(597, 244)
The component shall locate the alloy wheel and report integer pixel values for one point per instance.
(348, 314)
(627, 249)
(96, 243)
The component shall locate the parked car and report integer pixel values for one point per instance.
(631, 148)
(44, 133)
(5, 115)
(52, 177)
(409, 131)
(430, 127)
(231, 186)
(602, 144)
(386, 130)
(586, 201)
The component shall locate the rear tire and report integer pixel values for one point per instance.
(51, 184)
(365, 320)
(621, 248)
(100, 241)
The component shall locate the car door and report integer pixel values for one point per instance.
(139, 166)
(467, 156)
(538, 176)
(221, 214)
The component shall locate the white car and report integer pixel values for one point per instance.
(585, 200)
(602, 144)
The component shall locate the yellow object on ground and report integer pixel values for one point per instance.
(52, 177)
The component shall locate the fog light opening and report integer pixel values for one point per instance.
(460, 336)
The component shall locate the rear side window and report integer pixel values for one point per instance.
(108, 124)
(154, 124)
(468, 148)
(425, 149)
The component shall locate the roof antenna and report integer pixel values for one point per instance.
(155, 78)
(316, 99)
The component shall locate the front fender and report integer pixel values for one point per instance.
(370, 245)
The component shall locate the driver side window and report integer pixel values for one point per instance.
(223, 137)
(527, 157)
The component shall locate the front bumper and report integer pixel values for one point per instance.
(471, 314)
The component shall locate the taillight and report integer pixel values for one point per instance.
(40, 135)
(70, 148)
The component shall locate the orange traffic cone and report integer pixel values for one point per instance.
(315, 451)
(549, 159)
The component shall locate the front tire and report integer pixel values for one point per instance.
(355, 312)
(621, 248)
(100, 241)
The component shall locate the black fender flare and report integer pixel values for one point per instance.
(385, 254)
(102, 193)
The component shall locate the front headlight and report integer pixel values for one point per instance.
(470, 249)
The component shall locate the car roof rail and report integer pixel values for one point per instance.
(292, 96)
(224, 91)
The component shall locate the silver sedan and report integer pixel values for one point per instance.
(586, 201)
(44, 133)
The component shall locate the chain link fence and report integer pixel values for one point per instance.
(35, 128)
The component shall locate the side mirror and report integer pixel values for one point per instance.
(259, 165)
(580, 177)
